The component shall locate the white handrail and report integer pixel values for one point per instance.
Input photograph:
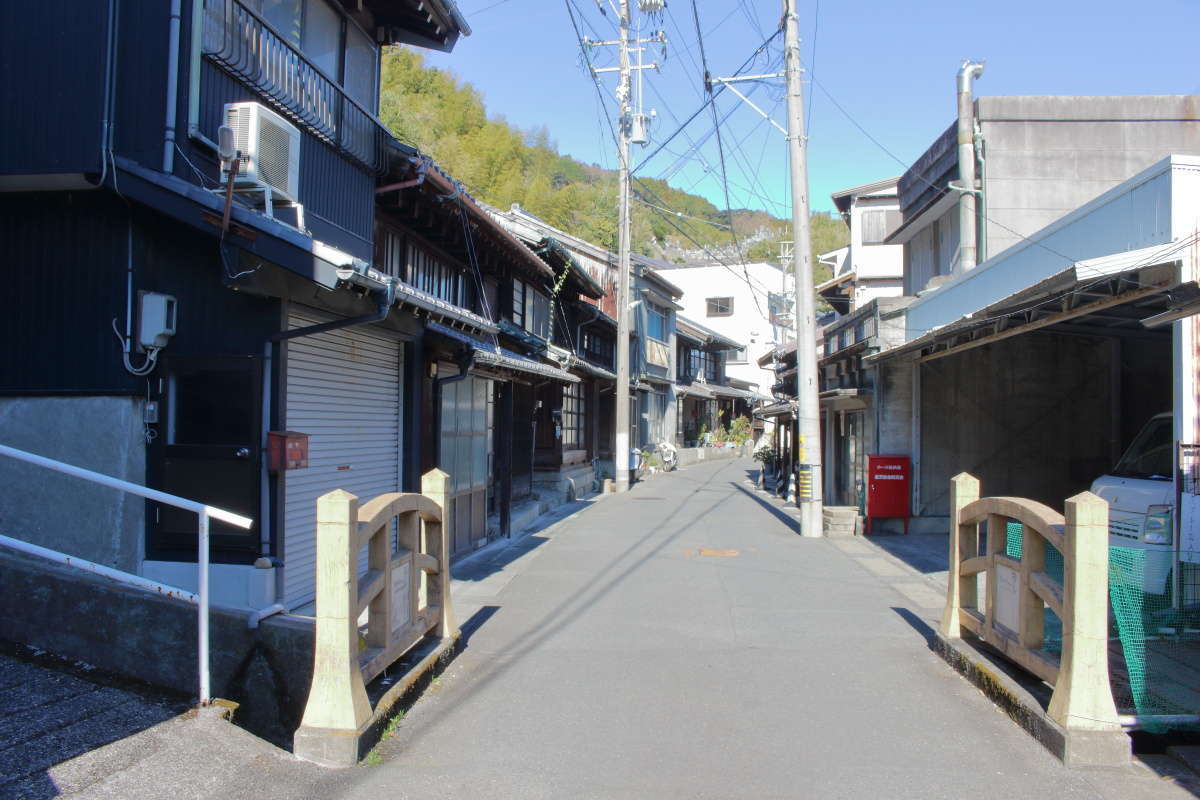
(203, 512)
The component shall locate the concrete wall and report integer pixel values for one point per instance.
(1045, 156)
(152, 638)
(1029, 416)
(69, 514)
(1136, 214)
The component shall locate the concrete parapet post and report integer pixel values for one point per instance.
(435, 485)
(337, 711)
(964, 543)
(1082, 695)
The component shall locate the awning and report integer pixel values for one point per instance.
(774, 410)
(693, 390)
(1085, 288)
(488, 354)
(592, 369)
(729, 392)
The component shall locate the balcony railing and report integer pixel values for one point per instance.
(246, 46)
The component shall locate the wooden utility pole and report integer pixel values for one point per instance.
(621, 452)
(808, 413)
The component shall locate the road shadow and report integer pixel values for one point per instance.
(53, 709)
(792, 523)
(927, 553)
(499, 554)
(917, 624)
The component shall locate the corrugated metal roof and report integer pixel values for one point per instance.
(492, 355)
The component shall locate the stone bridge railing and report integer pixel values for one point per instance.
(1010, 615)
(405, 593)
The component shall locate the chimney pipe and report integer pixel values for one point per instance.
(966, 165)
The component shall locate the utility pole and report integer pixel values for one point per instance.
(625, 127)
(621, 454)
(808, 420)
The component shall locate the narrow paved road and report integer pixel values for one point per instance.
(681, 641)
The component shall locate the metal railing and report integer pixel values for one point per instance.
(203, 512)
(248, 47)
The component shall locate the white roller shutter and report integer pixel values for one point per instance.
(344, 390)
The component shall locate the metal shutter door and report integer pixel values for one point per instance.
(344, 390)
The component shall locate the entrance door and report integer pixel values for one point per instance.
(463, 455)
(211, 453)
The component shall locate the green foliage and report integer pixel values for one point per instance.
(739, 430)
(432, 110)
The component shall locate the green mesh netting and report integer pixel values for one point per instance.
(1156, 668)
(1154, 639)
(1052, 636)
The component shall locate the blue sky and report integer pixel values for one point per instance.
(891, 66)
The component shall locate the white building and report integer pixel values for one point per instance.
(866, 268)
(734, 301)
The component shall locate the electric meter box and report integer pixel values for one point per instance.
(156, 320)
(287, 450)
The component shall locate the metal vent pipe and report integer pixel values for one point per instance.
(967, 199)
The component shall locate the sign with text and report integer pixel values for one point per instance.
(888, 480)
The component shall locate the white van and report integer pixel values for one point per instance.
(1141, 500)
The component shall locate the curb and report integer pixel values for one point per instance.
(1074, 748)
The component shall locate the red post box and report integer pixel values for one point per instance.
(286, 450)
(888, 480)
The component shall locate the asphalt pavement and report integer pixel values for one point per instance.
(677, 641)
(682, 641)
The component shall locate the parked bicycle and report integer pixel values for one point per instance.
(666, 456)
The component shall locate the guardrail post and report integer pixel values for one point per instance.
(1032, 610)
(1082, 695)
(435, 485)
(337, 708)
(964, 543)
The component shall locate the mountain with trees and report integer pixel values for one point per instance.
(432, 110)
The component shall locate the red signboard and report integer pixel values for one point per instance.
(888, 479)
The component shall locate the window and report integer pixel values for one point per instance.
(737, 356)
(317, 28)
(720, 306)
(530, 309)
(574, 414)
(431, 276)
(656, 414)
(597, 348)
(876, 225)
(656, 322)
(702, 363)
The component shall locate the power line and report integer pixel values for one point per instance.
(710, 99)
(928, 182)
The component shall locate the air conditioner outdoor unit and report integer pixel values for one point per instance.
(270, 147)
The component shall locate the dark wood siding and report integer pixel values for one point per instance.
(65, 275)
(338, 197)
(52, 59)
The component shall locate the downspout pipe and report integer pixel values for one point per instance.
(579, 328)
(385, 306)
(168, 162)
(465, 361)
(422, 167)
(967, 217)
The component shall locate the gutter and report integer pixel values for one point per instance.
(379, 314)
